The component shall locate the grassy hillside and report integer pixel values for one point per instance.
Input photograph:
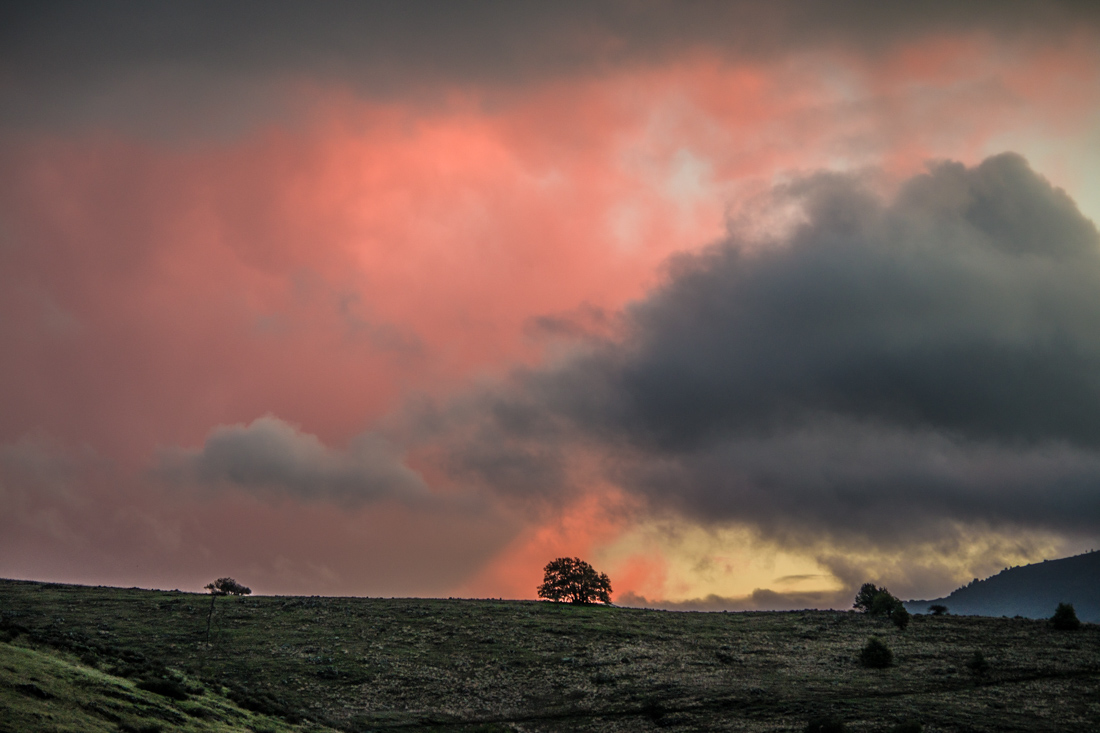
(360, 664)
(45, 690)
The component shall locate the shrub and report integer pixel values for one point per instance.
(827, 724)
(198, 711)
(876, 654)
(900, 616)
(1065, 618)
(166, 687)
(977, 663)
(261, 702)
(938, 609)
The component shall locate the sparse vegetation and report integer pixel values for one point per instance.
(908, 726)
(828, 724)
(572, 579)
(361, 664)
(1065, 618)
(876, 655)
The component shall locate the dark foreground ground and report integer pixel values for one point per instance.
(81, 658)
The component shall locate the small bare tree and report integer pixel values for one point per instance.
(223, 587)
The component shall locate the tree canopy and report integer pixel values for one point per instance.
(228, 587)
(572, 579)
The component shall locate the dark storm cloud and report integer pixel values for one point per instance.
(884, 368)
(270, 455)
(147, 64)
(971, 304)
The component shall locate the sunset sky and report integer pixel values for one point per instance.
(744, 303)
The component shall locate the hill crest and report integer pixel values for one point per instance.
(1031, 591)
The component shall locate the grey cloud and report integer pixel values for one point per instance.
(270, 455)
(970, 304)
(886, 369)
(213, 64)
(874, 483)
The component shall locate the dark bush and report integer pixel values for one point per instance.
(900, 616)
(1065, 618)
(827, 724)
(654, 710)
(938, 609)
(167, 687)
(977, 664)
(876, 654)
(32, 690)
(198, 711)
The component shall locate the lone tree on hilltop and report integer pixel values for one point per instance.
(223, 587)
(572, 579)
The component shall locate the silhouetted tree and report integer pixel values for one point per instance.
(1065, 618)
(223, 587)
(938, 609)
(572, 579)
(876, 601)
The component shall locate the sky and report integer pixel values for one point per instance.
(744, 303)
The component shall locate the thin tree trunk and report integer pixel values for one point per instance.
(209, 616)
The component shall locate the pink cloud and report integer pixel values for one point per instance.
(326, 271)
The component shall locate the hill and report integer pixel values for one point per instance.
(41, 690)
(362, 664)
(1031, 591)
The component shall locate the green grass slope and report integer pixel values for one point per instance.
(360, 664)
(44, 691)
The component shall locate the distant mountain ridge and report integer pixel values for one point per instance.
(1031, 591)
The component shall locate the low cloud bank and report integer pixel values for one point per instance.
(760, 599)
(270, 455)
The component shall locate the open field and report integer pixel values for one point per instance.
(360, 664)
